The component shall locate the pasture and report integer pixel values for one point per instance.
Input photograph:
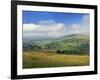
(43, 59)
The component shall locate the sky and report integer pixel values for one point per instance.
(54, 24)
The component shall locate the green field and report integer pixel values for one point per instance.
(42, 59)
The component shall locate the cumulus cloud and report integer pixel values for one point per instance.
(83, 28)
(49, 28)
(45, 29)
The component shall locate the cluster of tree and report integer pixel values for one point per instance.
(75, 52)
(83, 49)
(29, 46)
(52, 46)
(34, 46)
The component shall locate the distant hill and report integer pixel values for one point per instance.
(75, 43)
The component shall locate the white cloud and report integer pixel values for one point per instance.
(76, 28)
(50, 28)
(42, 28)
(83, 28)
(45, 29)
(86, 20)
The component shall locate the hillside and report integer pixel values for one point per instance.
(70, 44)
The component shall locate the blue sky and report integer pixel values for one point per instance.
(66, 18)
(54, 24)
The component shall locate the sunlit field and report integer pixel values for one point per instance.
(42, 59)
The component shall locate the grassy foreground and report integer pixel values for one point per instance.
(33, 59)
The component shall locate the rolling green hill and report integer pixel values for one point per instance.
(73, 44)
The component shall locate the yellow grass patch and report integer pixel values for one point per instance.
(38, 59)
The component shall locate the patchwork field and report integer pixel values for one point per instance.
(42, 59)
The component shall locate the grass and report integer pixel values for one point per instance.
(42, 59)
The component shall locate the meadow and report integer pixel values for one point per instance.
(43, 59)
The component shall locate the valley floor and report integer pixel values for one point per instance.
(39, 59)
